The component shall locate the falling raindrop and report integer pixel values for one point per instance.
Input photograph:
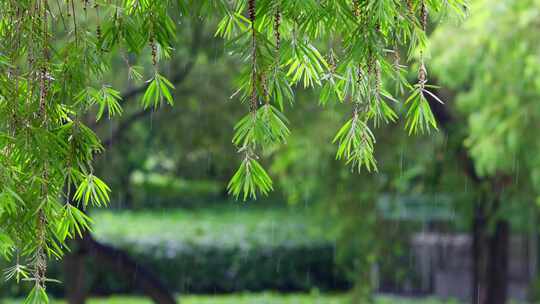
(151, 119)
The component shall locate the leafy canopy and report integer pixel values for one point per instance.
(499, 82)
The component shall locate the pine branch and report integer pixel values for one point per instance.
(178, 78)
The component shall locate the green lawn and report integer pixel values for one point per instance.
(263, 298)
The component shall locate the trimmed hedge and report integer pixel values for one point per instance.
(231, 248)
(218, 250)
(208, 269)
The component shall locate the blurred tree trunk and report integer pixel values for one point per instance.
(119, 263)
(478, 255)
(74, 271)
(489, 252)
(497, 268)
(490, 256)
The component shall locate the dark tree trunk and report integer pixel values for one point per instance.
(490, 255)
(497, 267)
(478, 257)
(119, 263)
(74, 272)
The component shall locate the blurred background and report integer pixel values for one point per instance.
(451, 217)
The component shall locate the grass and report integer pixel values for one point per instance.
(237, 225)
(262, 298)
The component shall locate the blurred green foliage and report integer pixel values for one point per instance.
(490, 66)
(491, 62)
(154, 190)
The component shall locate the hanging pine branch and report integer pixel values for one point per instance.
(420, 119)
(53, 59)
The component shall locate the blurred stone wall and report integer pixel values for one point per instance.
(444, 263)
